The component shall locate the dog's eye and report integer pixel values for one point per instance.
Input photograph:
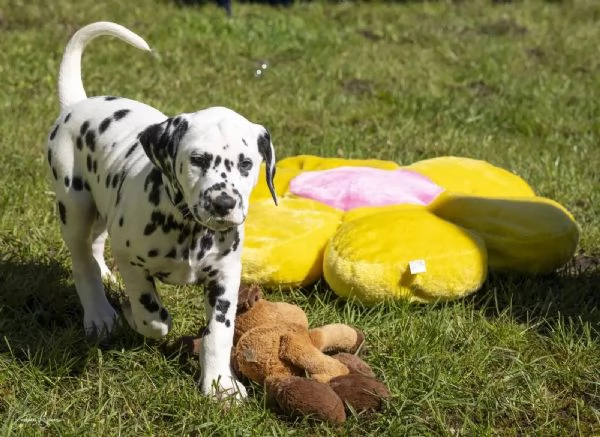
(202, 161)
(245, 165)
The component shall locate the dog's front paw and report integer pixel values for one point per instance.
(153, 325)
(223, 387)
(99, 323)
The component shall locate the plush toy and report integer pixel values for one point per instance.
(274, 346)
(426, 232)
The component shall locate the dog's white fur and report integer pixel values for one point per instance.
(171, 192)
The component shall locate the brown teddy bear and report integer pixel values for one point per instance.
(274, 346)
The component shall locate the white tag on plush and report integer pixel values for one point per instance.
(417, 266)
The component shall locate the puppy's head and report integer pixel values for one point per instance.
(211, 159)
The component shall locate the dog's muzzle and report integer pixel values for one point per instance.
(223, 204)
(219, 211)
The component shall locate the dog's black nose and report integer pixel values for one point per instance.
(223, 203)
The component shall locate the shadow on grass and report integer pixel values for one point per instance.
(41, 319)
(570, 295)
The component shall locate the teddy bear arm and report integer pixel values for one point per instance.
(297, 349)
(336, 337)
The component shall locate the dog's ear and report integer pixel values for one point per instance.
(161, 141)
(266, 150)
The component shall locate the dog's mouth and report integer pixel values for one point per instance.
(219, 223)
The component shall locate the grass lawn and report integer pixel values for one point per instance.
(515, 84)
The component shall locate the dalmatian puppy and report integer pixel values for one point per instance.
(172, 193)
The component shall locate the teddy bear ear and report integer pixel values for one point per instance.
(248, 295)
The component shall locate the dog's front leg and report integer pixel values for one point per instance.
(221, 295)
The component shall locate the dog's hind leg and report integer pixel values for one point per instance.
(77, 215)
(99, 236)
(145, 312)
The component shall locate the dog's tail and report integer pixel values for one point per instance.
(70, 86)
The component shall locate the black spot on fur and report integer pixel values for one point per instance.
(79, 143)
(86, 186)
(227, 323)
(214, 290)
(95, 166)
(149, 229)
(185, 232)
(121, 222)
(236, 241)
(172, 253)
(164, 314)
(154, 223)
(224, 176)
(217, 161)
(148, 303)
(153, 184)
(88, 163)
(53, 133)
(115, 180)
(67, 117)
(107, 181)
(153, 253)
(206, 242)
(67, 181)
(62, 211)
(127, 243)
(50, 157)
(54, 174)
(223, 305)
(170, 223)
(141, 259)
(220, 318)
(84, 127)
(77, 183)
(120, 114)
(90, 140)
(131, 150)
(244, 141)
(109, 98)
(104, 125)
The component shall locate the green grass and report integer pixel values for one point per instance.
(514, 84)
